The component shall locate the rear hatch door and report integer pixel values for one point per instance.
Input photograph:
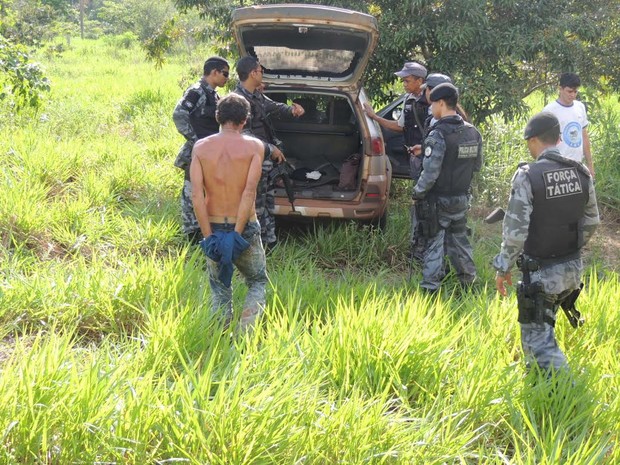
(307, 45)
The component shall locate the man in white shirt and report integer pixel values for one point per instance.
(571, 113)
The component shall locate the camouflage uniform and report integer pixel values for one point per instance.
(259, 125)
(558, 280)
(251, 264)
(452, 237)
(194, 118)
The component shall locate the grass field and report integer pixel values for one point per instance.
(108, 354)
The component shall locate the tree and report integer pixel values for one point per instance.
(29, 22)
(142, 17)
(22, 82)
(498, 51)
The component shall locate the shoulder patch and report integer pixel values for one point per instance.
(191, 98)
(428, 151)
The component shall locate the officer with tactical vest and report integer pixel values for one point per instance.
(452, 153)
(551, 214)
(262, 109)
(194, 118)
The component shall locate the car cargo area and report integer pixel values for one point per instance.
(323, 146)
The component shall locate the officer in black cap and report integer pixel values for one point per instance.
(541, 123)
(551, 214)
(452, 152)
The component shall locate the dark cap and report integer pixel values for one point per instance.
(434, 79)
(444, 91)
(541, 123)
(412, 68)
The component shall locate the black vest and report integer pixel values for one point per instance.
(463, 144)
(416, 113)
(560, 190)
(258, 122)
(203, 119)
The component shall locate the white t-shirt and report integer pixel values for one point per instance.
(572, 121)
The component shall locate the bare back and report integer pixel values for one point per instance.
(225, 171)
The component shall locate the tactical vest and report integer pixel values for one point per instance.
(463, 143)
(413, 130)
(202, 118)
(258, 123)
(560, 190)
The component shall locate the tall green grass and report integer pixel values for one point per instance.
(109, 353)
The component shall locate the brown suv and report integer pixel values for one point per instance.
(316, 56)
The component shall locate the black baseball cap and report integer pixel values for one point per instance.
(541, 123)
(444, 91)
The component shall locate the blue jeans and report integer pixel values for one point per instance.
(252, 266)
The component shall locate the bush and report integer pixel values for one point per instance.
(125, 40)
(605, 137)
(22, 82)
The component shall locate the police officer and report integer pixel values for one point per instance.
(452, 152)
(411, 124)
(551, 214)
(262, 108)
(194, 118)
(432, 81)
(415, 112)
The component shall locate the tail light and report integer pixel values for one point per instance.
(376, 147)
(373, 194)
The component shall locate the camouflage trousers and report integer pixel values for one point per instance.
(418, 241)
(189, 223)
(265, 205)
(252, 266)
(538, 339)
(451, 241)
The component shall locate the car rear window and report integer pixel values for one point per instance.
(306, 50)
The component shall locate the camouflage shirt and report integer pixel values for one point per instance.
(194, 118)
(262, 109)
(194, 114)
(558, 277)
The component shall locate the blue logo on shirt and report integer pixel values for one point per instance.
(572, 134)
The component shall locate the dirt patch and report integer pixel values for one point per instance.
(604, 247)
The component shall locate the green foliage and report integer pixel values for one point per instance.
(142, 17)
(605, 148)
(30, 22)
(161, 41)
(109, 353)
(22, 82)
(125, 40)
(498, 52)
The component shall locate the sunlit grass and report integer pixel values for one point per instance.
(109, 353)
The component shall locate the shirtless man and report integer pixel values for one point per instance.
(224, 173)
